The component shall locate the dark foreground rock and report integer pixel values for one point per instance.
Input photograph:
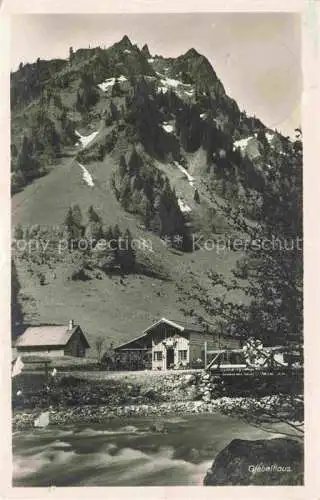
(263, 462)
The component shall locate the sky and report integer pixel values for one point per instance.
(257, 56)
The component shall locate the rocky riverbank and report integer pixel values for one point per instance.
(71, 399)
(23, 419)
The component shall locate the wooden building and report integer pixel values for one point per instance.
(166, 344)
(53, 340)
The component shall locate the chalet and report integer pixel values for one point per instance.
(167, 344)
(53, 340)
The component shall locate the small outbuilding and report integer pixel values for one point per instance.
(53, 340)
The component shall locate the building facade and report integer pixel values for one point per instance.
(167, 344)
(53, 341)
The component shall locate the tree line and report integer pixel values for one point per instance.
(40, 145)
(118, 251)
(142, 189)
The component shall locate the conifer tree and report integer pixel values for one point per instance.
(134, 162)
(108, 235)
(73, 234)
(116, 90)
(196, 196)
(125, 192)
(26, 164)
(71, 54)
(93, 216)
(93, 231)
(123, 168)
(116, 232)
(18, 232)
(126, 254)
(77, 215)
(114, 111)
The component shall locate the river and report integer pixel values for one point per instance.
(125, 452)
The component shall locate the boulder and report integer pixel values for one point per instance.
(207, 396)
(157, 427)
(149, 394)
(43, 419)
(189, 393)
(276, 462)
(189, 379)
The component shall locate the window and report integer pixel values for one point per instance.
(237, 358)
(225, 358)
(157, 356)
(183, 355)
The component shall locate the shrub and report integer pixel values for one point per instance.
(80, 275)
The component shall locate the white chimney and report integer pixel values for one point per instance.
(71, 324)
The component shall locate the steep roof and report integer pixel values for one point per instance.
(47, 335)
(183, 326)
(187, 326)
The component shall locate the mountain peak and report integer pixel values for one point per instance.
(192, 53)
(145, 50)
(125, 42)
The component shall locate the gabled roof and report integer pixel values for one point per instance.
(183, 326)
(47, 335)
(186, 326)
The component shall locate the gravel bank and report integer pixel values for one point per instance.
(23, 419)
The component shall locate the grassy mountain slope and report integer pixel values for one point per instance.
(185, 127)
(114, 307)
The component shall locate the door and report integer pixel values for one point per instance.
(170, 358)
(79, 351)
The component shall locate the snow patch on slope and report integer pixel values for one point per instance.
(85, 140)
(167, 127)
(109, 82)
(185, 172)
(86, 176)
(269, 137)
(170, 82)
(167, 83)
(242, 143)
(106, 84)
(183, 206)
